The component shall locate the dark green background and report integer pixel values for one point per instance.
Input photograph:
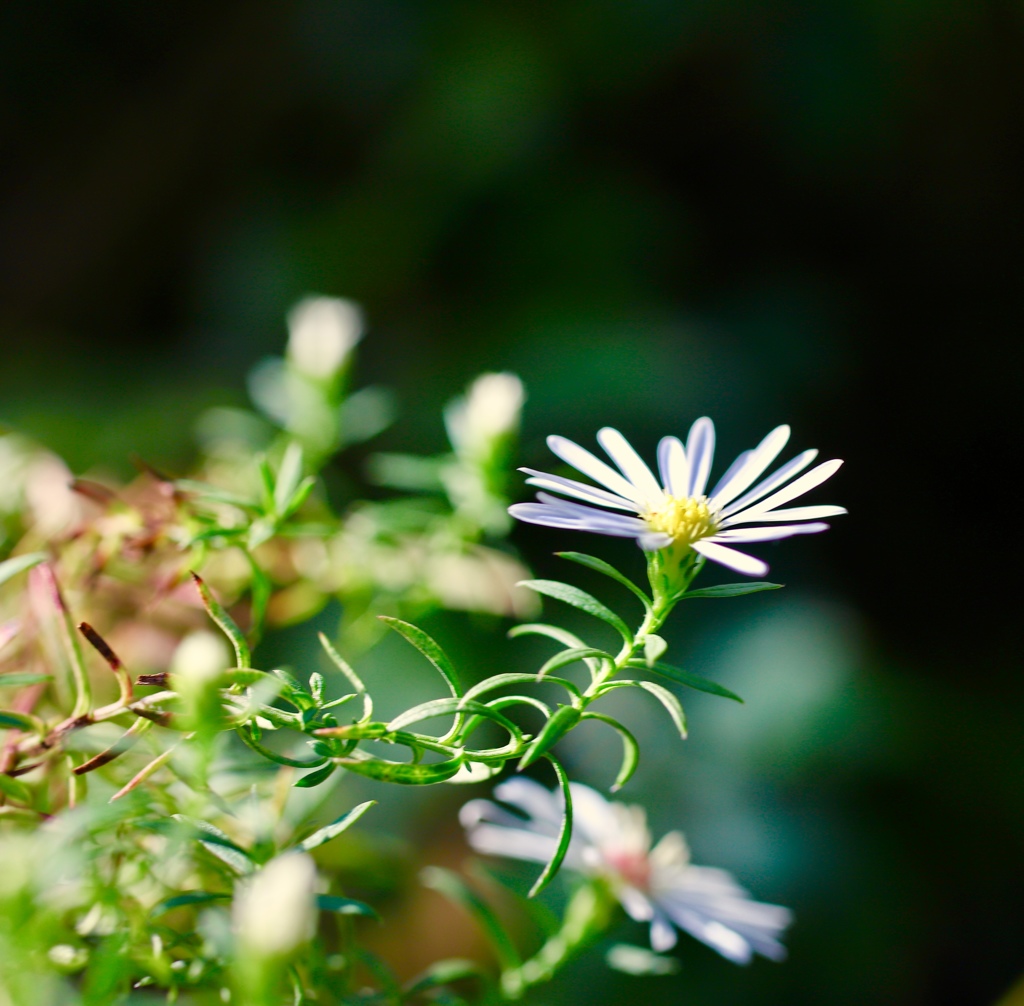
(775, 211)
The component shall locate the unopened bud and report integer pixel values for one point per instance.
(490, 410)
(276, 912)
(322, 332)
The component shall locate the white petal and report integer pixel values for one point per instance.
(776, 479)
(663, 935)
(760, 458)
(601, 523)
(652, 541)
(738, 561)
(531, 798)
(630, 463)
(804, 484)
(675, 469)
(570, 487)
(582, 460)
(789, 513)
(741, 459)
(515, 843)
(637, 905)
(594, 817)
(727, 942)
(767, 533)
(700, 450)
(671, 853)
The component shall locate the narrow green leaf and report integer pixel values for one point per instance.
(688, 678)
(670, 702)
(330, 831)
(404, 773)
(501, 680)
(10, 720)
(582, 600)
(564, 835)
(731, 589)
(555, 632)
(449, 706)
(189, 898)
(570, 657)
(215, 494)
(18, 564)
(289, 474)
(220, 845)
(260, 591)
(315, 778)
(226, 623)
(563, 720)
(247, 736)
(342, 664)
(19, 679)
(15, 789)
(428, 647)
(344, 906)
(444, 973)
(630, 749)
(453, 887)
(600, 566)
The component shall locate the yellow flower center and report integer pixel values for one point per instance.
(686, 519)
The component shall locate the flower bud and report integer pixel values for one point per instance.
(322, 332)
(488, 412)
(197, 669)
(276, 912)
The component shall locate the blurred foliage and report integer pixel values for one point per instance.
(759, 210)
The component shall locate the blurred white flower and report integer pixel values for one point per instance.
(676, 511)
(321, 334)
(611, 841)
(489, 411)
(200, 658)
(275, 912)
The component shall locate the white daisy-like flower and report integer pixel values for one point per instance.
(679, 510)
(656, 885)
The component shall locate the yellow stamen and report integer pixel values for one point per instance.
(686, 519)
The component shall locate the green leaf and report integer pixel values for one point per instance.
(570, 657)
(344, 906)
(688, 678)
(563, 636)
(330, 831)
(579, 599)
(564, 835)
(449, 706)
(511, 678)
(216, 495)
(15, 789)
(248, 738)
(189, 898)
(630, 749)
(444, 973)
(731, 589)
(289, 474)
(220, 845)
(428, 647)
(339, 661)
(19, 679)
(404, 773)
(226, 623)
(10, 720)
(600, 566)
(563, 720)
(453, 887)
(315, 778)
(18, 564)
(670, 702)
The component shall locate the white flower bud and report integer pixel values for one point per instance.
(489, 410)
(322, 332)
(275, 913)
(201, 657)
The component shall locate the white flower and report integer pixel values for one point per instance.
(275, 912)
(677, 511)
(611, 841)
(490, 410)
